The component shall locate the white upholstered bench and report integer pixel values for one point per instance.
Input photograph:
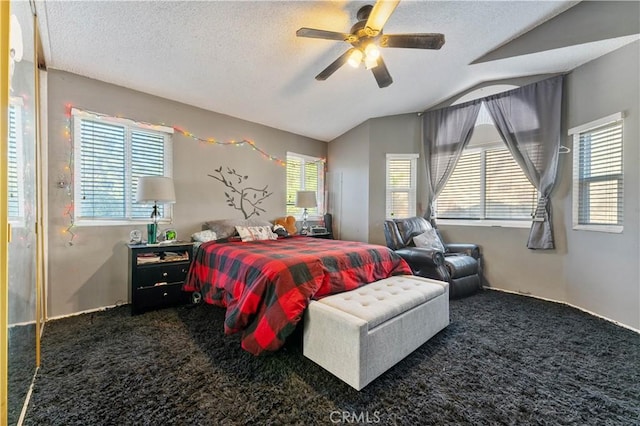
(358, 335)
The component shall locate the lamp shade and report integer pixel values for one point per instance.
(157, 189)
(306, 199)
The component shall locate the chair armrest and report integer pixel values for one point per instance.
(472, 250)
(419, 256)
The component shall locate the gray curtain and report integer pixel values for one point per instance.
(445, 133)
(528, 119)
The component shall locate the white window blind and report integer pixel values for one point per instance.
(401, 182)
(461, 198)
(304, 173)
(15, 157)
(110, 156)
(508, 193)
(487, 184)
(598, 175)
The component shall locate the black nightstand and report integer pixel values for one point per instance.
(156, 275)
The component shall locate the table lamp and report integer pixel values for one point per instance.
(156, 189)
(306, 199)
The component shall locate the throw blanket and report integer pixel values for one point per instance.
(267, 285)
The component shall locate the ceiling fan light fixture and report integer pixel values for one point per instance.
(370, 62)
(372, 52)
(355, 58)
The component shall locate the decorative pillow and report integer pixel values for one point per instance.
(204, 236)
(256, 233)
(223, 228)
(288, 223)
(429, 239)
(255, 222)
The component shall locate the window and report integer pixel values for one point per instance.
(304, 173)
(597, 175)
(401, 173)
(109, 156)
(15, 160)
(487, 184)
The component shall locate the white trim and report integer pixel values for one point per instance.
(115, 222)
(575, 184)
(612, 229)
(21, 324)
(125, 121)
(628, 327)
(402, 156)
(596, 123)
(412, 190)
(486, 223)
(306, 157)
(88, 311)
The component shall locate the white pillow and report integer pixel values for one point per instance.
(256, 233)
(429, 239)
(204, 236)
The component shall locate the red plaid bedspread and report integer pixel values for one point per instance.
(267, 285)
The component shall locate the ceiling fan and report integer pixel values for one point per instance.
(366, 37)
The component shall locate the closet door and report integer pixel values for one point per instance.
(21, 208)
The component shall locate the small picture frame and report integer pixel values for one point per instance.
(170, 235)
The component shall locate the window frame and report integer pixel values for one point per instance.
(576, 132)
(319, 192)
(77, 116)
(483, 221)
(413, 186)
(16, 104)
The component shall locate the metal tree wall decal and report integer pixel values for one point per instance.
(247, 199)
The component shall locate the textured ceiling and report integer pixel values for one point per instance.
(242, 58)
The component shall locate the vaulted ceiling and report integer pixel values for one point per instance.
(243, 59)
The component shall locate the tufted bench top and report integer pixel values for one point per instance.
(382, 300)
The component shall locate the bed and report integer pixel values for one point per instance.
(266, 285)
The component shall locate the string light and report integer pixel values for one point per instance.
(68, 169)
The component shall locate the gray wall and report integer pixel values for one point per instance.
(349, 162)
(595, 271)
(394, 135)
(92, 273)
(359, 156)
(602, 272)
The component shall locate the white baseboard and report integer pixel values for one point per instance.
(88, 311)
(566, 304)
(19, 324)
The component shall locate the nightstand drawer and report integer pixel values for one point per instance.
(159, 296)
(151, 275)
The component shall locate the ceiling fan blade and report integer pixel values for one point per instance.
(326, 35)
(413, 41)
(333, 67)
(381, 73)
(379, 15)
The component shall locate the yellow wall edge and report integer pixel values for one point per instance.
(5, 14)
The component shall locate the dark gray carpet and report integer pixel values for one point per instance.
(505, 359)
(22, 365)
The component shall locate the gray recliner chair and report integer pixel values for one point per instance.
(459, 264)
